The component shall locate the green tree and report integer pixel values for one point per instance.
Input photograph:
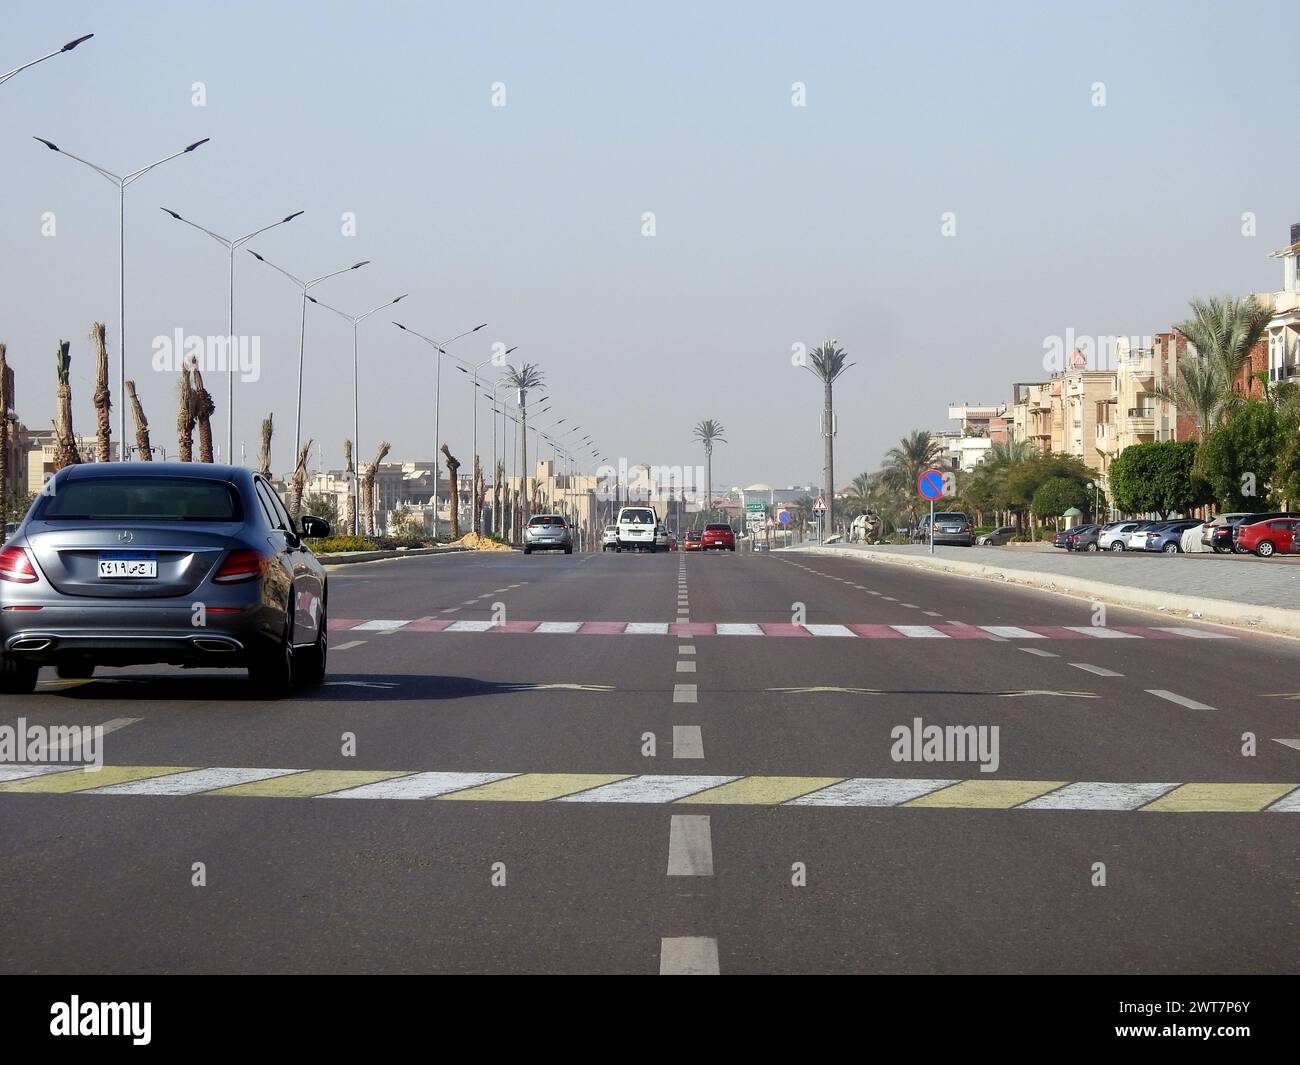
(1240, 457)
(1056, 495)
(1158, 476)
(914, 454)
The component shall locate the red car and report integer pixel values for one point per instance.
(718, 537)
(691, 541)
(1270, 537)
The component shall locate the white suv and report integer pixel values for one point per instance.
(636, 529)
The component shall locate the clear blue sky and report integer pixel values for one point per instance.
(775, 224)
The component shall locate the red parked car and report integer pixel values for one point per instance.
(1265, 538)
(718, 537)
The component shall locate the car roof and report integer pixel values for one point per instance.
(205, 471)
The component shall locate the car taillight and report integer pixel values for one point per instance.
(239, 566)
(966, 527)
(16, 566)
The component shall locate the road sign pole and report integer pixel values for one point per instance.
(932, 526)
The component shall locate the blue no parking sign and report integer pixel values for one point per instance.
(930, 485)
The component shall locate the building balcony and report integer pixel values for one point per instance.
(1141, 420)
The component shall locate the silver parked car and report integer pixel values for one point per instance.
(548, 532)
(121, 564)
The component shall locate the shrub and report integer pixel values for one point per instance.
(335, 544)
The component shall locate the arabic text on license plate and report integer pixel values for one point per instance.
(128, 565)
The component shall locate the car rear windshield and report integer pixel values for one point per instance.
(717, 528)
(546, 521)
(141, 499)
(637, 517)
(950, 517)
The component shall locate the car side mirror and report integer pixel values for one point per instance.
(315, 528)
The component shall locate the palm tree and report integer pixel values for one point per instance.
(453, 469)
(144, 452)
(65, 444)
(524, 377)
(103, 397)
(203, 410)
(707, 433)
(264, 458)
(368, 487)
(346, 523)
(185, 414)
(828, 363)
(914, 455)
(1009, 452)
(1223, 332)
(300, 478)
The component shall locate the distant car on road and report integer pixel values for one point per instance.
(111, 565)
(1167, 537)
(691, 542)
(663, 542)
(718, 537)
(548, 532)
(997, 538)
(1266, 538)
(636, 528)
(610, 539)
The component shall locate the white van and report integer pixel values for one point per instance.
(636, 528)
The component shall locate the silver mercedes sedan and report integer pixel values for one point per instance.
(120, 564)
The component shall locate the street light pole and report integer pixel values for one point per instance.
(356, 320)
(303, 287)
(231, 246)
(58, 51)
(121, 181)
(437, 402)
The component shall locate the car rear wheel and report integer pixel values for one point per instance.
(1264, 549)
(528, 550)
(1094, 546)
(17, 677)
(1117, 546)
(272, 672)
(1172, 549)
(312, 661)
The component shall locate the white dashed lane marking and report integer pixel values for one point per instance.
(1181, 700)
(1096, 670)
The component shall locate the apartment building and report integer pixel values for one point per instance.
(1283, 343)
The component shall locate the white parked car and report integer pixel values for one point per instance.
(1116, 538)
(610, 539)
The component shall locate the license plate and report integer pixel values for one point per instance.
(131, 565)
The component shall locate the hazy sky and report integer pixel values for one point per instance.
(775, 224)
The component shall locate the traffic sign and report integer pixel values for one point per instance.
(754, 506)
(820, 506)
(930, 485)
(783, 517)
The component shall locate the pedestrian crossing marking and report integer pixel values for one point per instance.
(979, 793)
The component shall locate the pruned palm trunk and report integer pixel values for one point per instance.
(349, 469)
(453, 470)
(497, 501)
(203, 410)
(144, 452)
(478, 496)
(300, 479)
(185, 417)
(65, 443)
(372, 472)
(103, 397)
(264, 459)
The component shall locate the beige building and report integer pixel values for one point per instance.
(1284, 327)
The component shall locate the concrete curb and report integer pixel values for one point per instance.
(1170, 604)
(347, 558)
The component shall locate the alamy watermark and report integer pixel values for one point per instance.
(58, 744)
(213, 354)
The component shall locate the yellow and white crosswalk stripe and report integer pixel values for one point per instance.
(977, 793)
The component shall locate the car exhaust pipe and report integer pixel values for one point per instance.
(216, 646)
(32, 643)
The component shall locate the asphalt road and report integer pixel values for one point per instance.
(765, 831)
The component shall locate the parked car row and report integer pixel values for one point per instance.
(1262, 534)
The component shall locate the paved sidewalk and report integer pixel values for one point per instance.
(1237, 589)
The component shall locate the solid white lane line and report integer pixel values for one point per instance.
(378, 626)
(688, 956)
(922, 632)
(686, 666)
(866, 791)
(1096, 670)
(685, 649)
(688, 741)
(192, 782)
(830, 630)
(685, 693)
(1196, 634)
(418, 786)
(1092, 795)
(1181, 700)
(650, 789)
(1103, 633)
(1040, 654)
(690, 845)
(348, 646)
(1012, 632)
